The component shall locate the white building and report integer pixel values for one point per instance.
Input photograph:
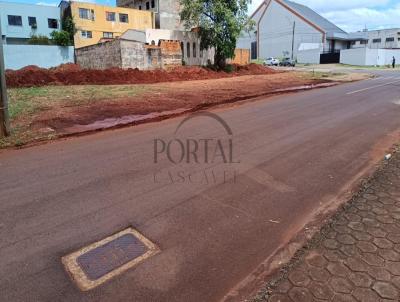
(283, 27)
(379, 39)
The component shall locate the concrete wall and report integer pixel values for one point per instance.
(133, 55)
(41, 12)
(100, 56)
(276, 31)
(356, 56)
(369, 57)
(129, 54)
(19, 56)
(188, 39)
(310, 56)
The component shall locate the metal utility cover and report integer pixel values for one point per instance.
(95, 264)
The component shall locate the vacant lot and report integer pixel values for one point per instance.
(47, 112)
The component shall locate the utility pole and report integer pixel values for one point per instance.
(294, 29)
(4, 121)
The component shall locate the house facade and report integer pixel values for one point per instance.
(166, 11)
(98, 23)
(20, 21)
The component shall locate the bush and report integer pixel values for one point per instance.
(229, 68)
(61, 38)
(39, 40)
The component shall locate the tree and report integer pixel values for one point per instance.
(61, 38)
(220, 23)
(68, 25)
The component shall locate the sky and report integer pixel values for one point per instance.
(354, 15)
(350, 15)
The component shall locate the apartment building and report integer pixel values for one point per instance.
(166, 11)
(98, 23)
(19, 21)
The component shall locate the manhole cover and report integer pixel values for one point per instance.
(99, 262)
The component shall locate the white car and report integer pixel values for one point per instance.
(271, 62)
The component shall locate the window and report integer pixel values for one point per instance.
(110, 16)
(86, 34)
(53, 23)
(390, 39)
(364, 42)
(84, 13)
(153, 4)
(32, 22)
(194, 50)
(147, 5)
(87, 14)
(188, 49)
(123, 18)
(376, 40)
(14, 20)
(108, 35)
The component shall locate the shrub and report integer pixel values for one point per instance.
(61, 38)
(39, 40)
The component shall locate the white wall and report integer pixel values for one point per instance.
(356, 56)
(19, 56)
(276, 31)
(369, 57)
(311, 56)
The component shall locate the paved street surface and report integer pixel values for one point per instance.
(358, 257)
(298, 155)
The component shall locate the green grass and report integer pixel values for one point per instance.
(258, 61)
(27, 101)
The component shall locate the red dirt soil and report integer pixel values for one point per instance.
(72, 74)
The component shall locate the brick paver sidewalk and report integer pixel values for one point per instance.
(357, 256)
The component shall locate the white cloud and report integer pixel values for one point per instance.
(47, 3)
(359, 18)
(354, 15)
(322, 6)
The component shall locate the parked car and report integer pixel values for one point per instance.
(288, 62)
(271, 62)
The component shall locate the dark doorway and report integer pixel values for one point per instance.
(330, 57)
(254, 50)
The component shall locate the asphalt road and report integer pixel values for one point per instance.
(297, 153)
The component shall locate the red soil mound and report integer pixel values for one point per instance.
(72, 74)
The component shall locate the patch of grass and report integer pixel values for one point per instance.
(258, 61)
(28, 101)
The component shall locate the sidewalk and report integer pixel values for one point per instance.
(356, 257)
